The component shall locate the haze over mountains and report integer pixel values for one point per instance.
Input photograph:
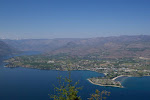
(105, 47)
(5, 49)
(42, 45)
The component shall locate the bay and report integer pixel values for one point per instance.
(33, 84)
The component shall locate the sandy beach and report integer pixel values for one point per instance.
(120, 76)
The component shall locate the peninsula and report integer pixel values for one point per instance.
(105, 82)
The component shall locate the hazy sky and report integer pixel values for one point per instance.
(73, 18)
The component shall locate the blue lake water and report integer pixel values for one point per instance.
(33, 84)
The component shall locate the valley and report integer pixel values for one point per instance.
(113, 56)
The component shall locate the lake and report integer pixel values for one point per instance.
(33, 84)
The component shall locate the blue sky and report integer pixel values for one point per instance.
(73, 18)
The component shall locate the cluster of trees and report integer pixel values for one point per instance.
(68, 91)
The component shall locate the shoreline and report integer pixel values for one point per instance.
(127, 76)
(103, 85)
(121, 76)
(113, 80)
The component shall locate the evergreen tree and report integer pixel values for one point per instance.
(99, 95)
(66, 90)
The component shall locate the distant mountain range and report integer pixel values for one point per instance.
(105, 47)
(5, 49)
(43, 45)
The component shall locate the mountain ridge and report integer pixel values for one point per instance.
(105, 47)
